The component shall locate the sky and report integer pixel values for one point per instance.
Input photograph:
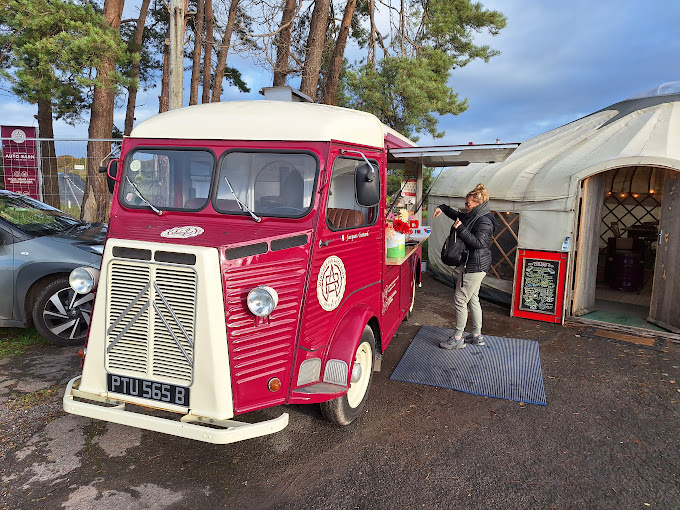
(559, 61)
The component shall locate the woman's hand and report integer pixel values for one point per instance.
(436, 212)
(457, 224)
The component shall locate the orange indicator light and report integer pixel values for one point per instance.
(274, 384)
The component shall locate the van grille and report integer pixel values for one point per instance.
(151, 320)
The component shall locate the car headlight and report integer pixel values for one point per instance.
(262, 300)
(83, 279)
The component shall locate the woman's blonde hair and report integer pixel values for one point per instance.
(479, 194)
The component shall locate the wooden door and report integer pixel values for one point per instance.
(588, 244)
(665, 305)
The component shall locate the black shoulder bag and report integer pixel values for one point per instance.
(455, 252)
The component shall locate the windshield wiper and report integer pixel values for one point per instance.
(243, 206)
(139, 194)
(71, 228)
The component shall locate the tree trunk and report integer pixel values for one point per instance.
(283, 44)
(48, 157)
(134, 71)
(330, 86)
(371, 38)
(402, 27)
(164, 98)
(177, 9)
(207, 56)
(224, 51)
(314, 48)
(96, 199)
(198, 46)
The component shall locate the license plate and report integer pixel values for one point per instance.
(152, 390)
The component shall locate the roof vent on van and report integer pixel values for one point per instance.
(285, 93)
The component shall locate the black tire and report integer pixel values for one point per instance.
(344, 410)
(61, 315)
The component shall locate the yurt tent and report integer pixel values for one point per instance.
(598, 195)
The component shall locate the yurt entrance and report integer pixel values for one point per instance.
(628, 238)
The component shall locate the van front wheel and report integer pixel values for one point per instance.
(344, 410)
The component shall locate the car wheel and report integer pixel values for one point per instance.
(344, 410)
(61, 315)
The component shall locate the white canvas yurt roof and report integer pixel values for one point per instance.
(540, 180)
(543, 173)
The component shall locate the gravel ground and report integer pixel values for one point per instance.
(607, 439)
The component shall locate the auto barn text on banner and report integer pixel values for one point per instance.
(20, 160)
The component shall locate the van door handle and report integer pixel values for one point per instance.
(324, 243)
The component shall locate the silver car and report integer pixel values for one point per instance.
(39, 246)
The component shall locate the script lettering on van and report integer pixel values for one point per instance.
(352, 237)
(152, 390)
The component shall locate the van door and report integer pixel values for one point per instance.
(346, 261)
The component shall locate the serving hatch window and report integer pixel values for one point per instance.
(168, 179)
(267, 183)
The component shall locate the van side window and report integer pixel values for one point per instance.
(342, 210)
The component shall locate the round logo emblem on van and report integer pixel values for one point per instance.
(330, 285)
(182, 232)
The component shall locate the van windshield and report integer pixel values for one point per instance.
(167, 179)
(268, 183)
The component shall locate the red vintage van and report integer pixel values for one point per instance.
(245, 267)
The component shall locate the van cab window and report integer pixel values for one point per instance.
(267, 183)
(342, 210)
(167, 179)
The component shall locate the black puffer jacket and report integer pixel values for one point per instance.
(479, 239)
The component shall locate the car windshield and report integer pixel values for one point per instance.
(35, 217)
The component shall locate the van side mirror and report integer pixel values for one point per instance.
(367, 185)
(112, 174)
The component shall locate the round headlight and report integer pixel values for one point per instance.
(262, 300)
(83, 279)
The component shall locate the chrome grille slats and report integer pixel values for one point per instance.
(173, 355)
(157, 344)
(127, 344)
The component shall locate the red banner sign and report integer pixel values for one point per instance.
(20, 160)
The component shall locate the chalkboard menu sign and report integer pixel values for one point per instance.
(539, 285)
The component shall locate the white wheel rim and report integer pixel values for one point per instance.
(357, 390)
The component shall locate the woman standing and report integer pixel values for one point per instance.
(478, 240)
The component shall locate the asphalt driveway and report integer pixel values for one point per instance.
(608, 438)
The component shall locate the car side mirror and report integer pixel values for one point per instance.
(367, 185)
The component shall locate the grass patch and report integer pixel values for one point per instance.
(15, 341)
(35, 398)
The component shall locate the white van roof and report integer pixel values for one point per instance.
(268, 120)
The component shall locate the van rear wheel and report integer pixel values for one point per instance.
(344, 410)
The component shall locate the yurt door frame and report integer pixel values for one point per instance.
(665, 300)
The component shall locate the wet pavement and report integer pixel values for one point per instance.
(608, 438)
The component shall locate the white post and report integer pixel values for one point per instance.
(175, 85)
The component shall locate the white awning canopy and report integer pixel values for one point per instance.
(453, 155)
